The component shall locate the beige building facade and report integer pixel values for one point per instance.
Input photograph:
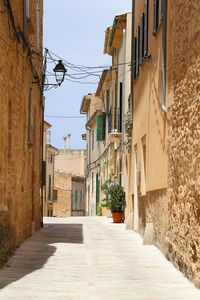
(49, 153)
(93, 107)
(69, 182)
(21, 109)
(164, 168)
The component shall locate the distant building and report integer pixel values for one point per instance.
(49, 153)
(69, 182)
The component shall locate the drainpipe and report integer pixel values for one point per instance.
(164, 40)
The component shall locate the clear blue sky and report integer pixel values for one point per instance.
(75, 31)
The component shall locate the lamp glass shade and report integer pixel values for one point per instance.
(60, 71)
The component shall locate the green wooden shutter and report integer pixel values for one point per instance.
(100, 128)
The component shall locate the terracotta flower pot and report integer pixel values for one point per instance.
(117, 217)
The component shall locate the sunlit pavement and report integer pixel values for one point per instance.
(91, 258)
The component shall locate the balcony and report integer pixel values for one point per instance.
(114, 125)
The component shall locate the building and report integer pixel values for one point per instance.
(118, 45)
(21, 109)
(69, 182)
(49, 153)
(164, 182)
(93, 107)
(106, 110)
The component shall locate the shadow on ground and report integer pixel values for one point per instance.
(37, 249)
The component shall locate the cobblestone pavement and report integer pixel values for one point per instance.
(90, 258)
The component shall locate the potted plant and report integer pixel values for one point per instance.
(115, 199)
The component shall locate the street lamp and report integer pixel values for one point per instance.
(60, 71)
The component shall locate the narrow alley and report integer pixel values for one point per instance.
(90, 258)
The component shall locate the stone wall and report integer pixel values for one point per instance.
(153, 209)
(63, 184)
(183, 236)
(20, 157)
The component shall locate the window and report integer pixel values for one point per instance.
(29, 115)
(146, 27)
(81, 195)
(49, 194)
(76, 199)
(134, 57)
(142, 39)
(155, 16)
(100, 127)
(138, 51)
(44, 173)
(107, 100)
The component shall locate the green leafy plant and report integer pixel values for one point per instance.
(99, 209)
(115, 196)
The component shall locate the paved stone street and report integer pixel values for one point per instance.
(91, 258)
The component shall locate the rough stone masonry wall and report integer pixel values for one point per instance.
(183, 234)
(153, 209)
(20, 160)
